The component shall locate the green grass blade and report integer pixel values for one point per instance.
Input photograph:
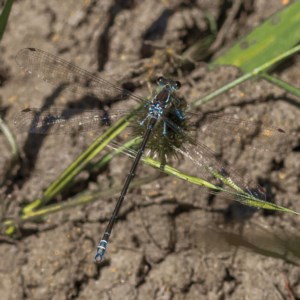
(10, 139)
(275, 36)
(108, 157)
(239, 195)
(4, 17)
(255, 72)
(235, 192)
(15, 154)
(9, 226)
(80, 163)
(282, 84)
(31, 211)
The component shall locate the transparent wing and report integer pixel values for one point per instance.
(60, 120)
(55, 70)
(231, 184)
(226, 129)
(218, 173)
(206, 166)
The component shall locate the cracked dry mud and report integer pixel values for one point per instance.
(172, 241)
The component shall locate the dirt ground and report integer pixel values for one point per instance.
(180, 243)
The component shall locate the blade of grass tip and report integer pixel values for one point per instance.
(10, 225)
(255, 72)
(4, 17)
(167, 169)
(80, 199)
(239, 195)
(282, 84)
(77, 166)
(80, 162)
(10, 139)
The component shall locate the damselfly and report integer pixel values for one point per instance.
(162, 122)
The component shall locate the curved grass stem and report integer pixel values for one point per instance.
(254, 73)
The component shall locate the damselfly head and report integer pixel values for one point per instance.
(168, 83)
(171, 126)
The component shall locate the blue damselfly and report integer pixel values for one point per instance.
(162, 122)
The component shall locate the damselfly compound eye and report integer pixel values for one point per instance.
(160, 80)
(177, 85)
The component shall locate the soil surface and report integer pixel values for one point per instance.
(172, 240)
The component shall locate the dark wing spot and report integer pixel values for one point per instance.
(224, 173)
(259, 193)
(26, 110)
(281, 130)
